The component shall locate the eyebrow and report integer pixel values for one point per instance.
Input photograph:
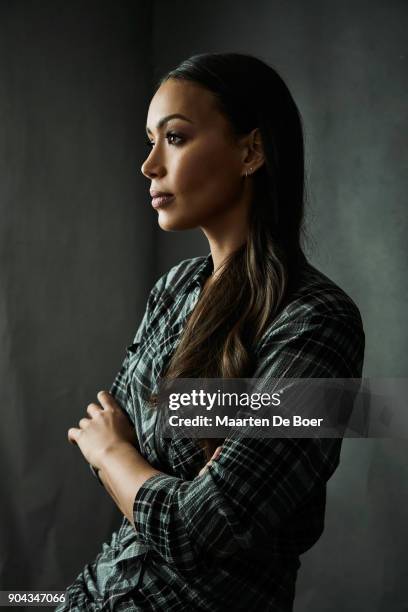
(164, 120)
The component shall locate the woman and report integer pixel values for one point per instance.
(226, 156)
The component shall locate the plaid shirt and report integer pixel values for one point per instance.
(230, 539)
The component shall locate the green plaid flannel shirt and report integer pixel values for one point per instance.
(231, 539)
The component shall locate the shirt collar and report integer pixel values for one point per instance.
(204, 270)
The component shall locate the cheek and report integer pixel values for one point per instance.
(205, 171)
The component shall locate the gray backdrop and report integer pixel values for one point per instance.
(80, 249)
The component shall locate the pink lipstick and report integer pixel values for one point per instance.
(162, 200)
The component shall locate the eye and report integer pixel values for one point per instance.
(172, 138)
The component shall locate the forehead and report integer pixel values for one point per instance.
(184, 97)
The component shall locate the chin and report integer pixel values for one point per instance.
(169, 224)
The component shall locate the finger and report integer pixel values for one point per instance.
(217, 453)
(205, 468)
(107, 401)
(84, 423)
(93, 409)
(73, 434)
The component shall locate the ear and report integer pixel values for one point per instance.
(253, 153)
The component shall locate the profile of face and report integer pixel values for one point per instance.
(194, 156)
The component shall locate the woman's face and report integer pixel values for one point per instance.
(195, 158)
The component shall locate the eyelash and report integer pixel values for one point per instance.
(169, 135)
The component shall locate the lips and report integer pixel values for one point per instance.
(162, 200)
(158, 194)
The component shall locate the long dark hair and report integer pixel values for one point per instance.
(234, 311)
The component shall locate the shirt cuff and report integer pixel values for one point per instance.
(156, 488)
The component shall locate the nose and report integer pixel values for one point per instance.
(151, 167)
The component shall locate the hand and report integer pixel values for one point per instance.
(108, 428)
(215, 456)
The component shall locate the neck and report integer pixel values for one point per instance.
(221, 252)
(227, 232)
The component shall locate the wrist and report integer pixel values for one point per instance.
(116, 450)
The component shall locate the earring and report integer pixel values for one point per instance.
(246, 172)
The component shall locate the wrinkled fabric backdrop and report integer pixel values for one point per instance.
(80, 249)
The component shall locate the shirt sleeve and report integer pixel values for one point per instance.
(119, 387)
(256, 485)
